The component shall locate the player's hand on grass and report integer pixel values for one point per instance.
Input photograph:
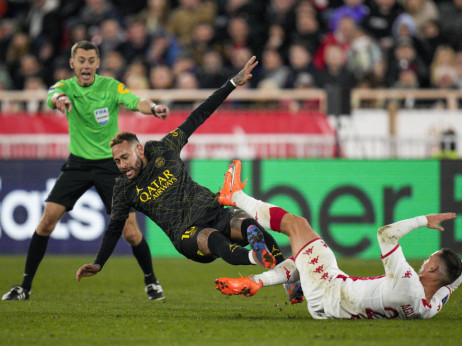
(161, 111)
(87, 270)
(435, 219)
(245, 74)
(63, 103)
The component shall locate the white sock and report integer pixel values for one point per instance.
(259, 210)
(285, 272)
(251, 258)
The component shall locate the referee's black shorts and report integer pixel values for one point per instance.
(78, 175)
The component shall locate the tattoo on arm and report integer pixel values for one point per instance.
(238, 79)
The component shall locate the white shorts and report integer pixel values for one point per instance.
(317, 265)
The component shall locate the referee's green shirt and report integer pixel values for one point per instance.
(93, 120)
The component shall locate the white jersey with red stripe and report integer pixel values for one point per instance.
(330, 293)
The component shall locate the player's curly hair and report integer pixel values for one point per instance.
(453, 264)
(85, 45)
(130, 137)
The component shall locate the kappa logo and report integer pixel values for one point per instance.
(160, 162)
(122, 88)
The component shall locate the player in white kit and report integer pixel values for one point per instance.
(330, 293)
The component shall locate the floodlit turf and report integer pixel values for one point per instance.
(112, 308)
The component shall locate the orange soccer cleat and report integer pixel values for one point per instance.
(238, 286)
(231, 184)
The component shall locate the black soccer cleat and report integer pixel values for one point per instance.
(16, 293)
(154, 291)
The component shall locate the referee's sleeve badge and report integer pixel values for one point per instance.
(122, 88)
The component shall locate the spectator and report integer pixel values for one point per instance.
(407, 79)
(34, 83)
(110, 37)
(161, 77)
(405, 29)
(307, 31)
(273, 71)
(444, 56)
(155, 15)
(451, 23)
(137, 67)
(277, 39)
(354, 9)
(19, 47)
(421, 11)
(113, 64)
(432, 38)
(137, 82)
(137, 43)
(188, 14)
(379, 22)
(28, 66)
(94, 13)
(282, 12)
(302, 70)
(445, 77)
(239, 55)
(363, 55)
(184, 63)
(404, 58)
(188, 81)
(342, 37)
(202, 40)
(42, 23)
(335, 72)
(239, 37)
(212, 72)
(163, 49)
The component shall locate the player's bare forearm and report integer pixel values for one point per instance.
(146, 106)
(87, 270)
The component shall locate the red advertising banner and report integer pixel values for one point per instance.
(249, 134)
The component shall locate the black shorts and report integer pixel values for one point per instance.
(78, 175)
(218, 219)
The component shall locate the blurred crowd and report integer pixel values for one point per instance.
(162, 44)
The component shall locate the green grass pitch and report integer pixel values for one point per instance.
(112, 308)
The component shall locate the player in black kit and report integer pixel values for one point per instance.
(156, 183)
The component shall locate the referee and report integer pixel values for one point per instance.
(91, 104)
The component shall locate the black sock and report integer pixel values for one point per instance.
(143, 256)
(231, 253)
(37, 248)
(269, 240)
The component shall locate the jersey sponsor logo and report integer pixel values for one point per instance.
(408, 311)
(157, 187)
(160, 162)
(407, 275)
(122, 88)
(102, 115)
(445, 299)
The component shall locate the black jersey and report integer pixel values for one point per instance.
(163, 190)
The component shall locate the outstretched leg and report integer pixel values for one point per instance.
(37, 248)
